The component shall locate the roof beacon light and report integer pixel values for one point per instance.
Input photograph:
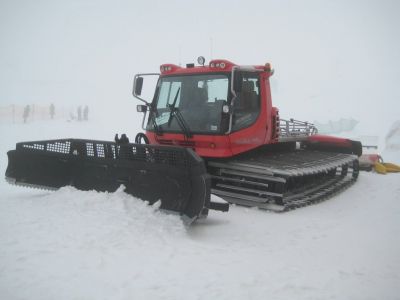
(166, 68)
(201, 60)
(220, 64)
(268, 68)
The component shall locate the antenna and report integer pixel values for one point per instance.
(180, 55)
(211, 48)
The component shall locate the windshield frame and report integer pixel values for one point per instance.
(219, 117)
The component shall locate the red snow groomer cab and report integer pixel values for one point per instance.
(224, 112)
(208, 129)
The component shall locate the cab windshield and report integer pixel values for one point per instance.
(192, 101)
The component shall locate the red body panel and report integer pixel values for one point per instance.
(204, 145)
(330, 140)
(259, 133)
(265, 130)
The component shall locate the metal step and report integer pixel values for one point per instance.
(247, 190)
(254, 183)
(246, 200)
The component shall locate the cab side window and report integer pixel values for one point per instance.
(247, 103)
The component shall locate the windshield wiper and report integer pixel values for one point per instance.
(174, 112)
(153, 118)
(157, 128)
(172, 107)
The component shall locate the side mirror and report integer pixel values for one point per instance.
(141, 108)
(237, 81)
(137, 86)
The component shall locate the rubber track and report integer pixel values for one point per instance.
(284, 181)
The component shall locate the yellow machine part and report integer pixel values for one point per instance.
(383, 168)
(391, 167)
(379, 168)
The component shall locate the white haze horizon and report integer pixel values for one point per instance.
(332, 59)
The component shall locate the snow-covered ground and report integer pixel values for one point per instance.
(87, 245)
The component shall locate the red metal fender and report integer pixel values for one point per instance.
(329, 140)
(332, 143)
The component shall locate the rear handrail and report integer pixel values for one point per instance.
(295, 128)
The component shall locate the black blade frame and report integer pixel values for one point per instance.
(174, 175)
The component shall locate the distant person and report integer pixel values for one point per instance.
(86, 113)
(27, 110)
(52, 111)
(79, 113)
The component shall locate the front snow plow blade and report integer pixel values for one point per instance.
(174, 175)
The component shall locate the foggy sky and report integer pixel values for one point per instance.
(332, 59)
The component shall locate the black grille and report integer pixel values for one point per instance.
(110, 150)
(190, 144)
